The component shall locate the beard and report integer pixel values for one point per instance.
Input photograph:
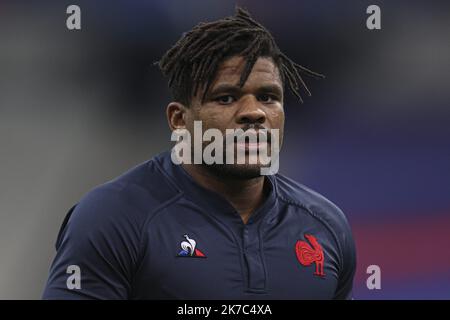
(234, 171)
(247, 151)
(249, 164)
(243, 170)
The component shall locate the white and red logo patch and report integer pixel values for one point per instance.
(189, 249)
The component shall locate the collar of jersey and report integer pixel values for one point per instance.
(212, 201)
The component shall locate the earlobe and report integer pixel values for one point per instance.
(176, 114)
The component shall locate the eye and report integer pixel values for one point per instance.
(267, 98)
(225, 99)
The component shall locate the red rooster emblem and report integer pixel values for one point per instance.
(307, 255)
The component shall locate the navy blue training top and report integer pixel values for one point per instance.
(154, 233)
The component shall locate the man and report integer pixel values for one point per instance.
(210, 231)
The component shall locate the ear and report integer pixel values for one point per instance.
(176, 115)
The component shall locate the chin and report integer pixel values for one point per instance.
(236, 171)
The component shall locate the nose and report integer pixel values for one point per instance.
(250, 111)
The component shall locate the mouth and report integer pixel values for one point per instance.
(253, 141)
(251, 146)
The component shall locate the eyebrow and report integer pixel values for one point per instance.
(228, 88)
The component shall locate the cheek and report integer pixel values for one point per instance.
(215, 118)
(189, 121)
(276, 118)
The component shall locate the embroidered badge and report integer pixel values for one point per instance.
(306, 254)
(189, 249)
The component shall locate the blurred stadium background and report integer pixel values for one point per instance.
(78, 108)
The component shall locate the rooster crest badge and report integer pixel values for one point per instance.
(308, 254)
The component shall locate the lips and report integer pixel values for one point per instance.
(252, 135)
(253, 142)
(258, 146)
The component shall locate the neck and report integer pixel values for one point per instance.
(245, 195)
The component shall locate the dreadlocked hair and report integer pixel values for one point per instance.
(192, 62)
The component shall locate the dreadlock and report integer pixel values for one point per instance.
(192, 62)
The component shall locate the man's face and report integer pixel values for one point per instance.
(257, 105)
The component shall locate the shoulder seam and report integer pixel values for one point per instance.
(168, 177)
(152, 214)
(322, 221)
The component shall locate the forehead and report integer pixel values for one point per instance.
(264, 72)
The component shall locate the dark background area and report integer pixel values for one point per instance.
(78, 108)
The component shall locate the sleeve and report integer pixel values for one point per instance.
(348, 263)
(97, 249)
